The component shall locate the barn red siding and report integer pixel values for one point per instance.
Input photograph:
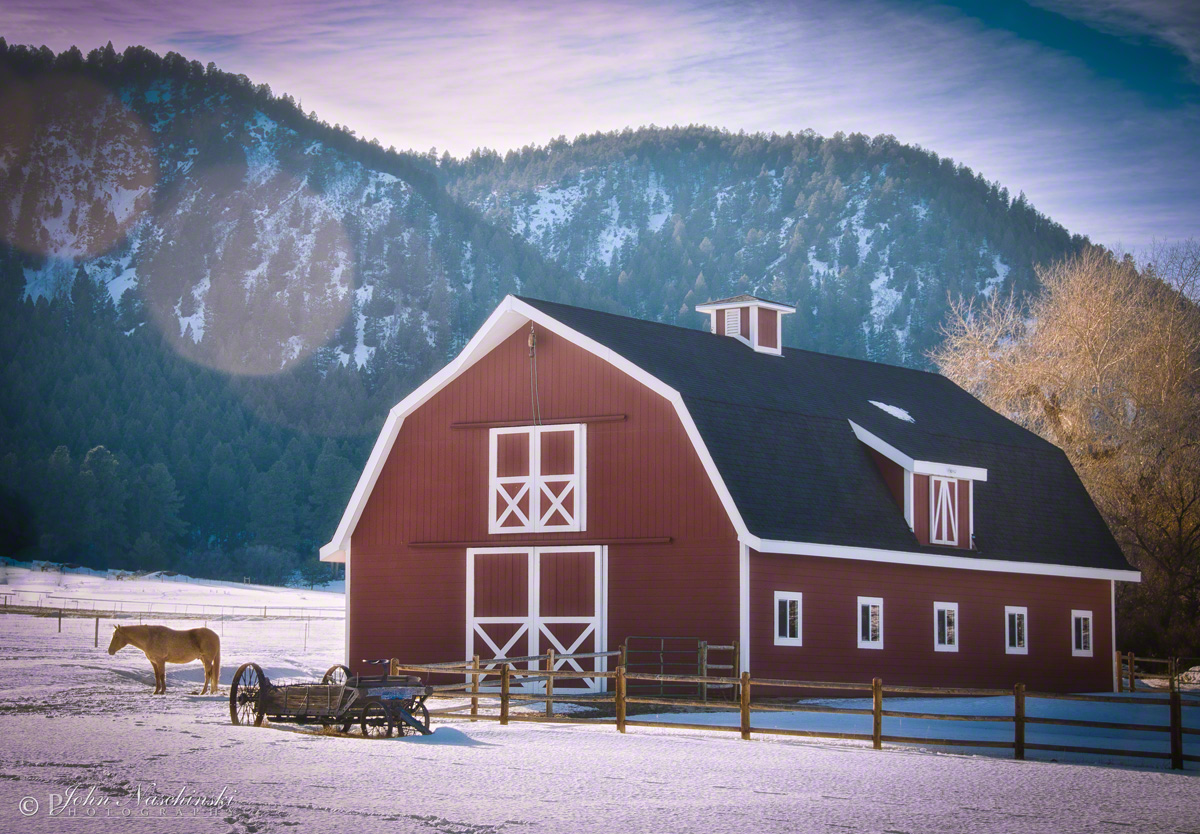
(830, 651)
(768, 328)
(744, 317)
(644, 480)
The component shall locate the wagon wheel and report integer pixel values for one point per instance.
(337, 675)
(376, 719)
(244, 695)
(419, 712)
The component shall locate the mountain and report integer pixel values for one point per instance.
(209, 299)
(868, 237)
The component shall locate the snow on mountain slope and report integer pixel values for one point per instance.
(868, 237)
(245, 232)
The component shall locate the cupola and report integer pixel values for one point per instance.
(753, 321)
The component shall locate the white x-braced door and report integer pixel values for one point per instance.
(523, 602)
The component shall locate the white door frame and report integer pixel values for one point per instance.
(534, 626)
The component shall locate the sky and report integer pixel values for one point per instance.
(1090, 107)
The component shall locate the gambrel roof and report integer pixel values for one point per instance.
(782, 439)
(778, 430)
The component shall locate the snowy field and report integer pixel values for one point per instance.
(45, 585)
(71, 717)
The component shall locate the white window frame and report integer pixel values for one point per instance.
(938, 608)
(790, 597)
(542, 500)
(733, 322)
(868, 644)
(1022, 612)
(949, 487)
(1077, 615)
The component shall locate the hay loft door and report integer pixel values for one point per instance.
(523, 602)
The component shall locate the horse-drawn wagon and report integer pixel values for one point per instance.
(379, 705)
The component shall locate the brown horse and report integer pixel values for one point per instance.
(164, 645)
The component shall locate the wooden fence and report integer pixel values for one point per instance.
(1170, 669)
(745, 686)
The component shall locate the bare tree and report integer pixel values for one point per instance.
(1105, 364)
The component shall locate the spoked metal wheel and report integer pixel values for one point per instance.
(245, 703)
(337, 675)
(421, 713)
(376, 719)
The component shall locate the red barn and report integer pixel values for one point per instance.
(575, 477)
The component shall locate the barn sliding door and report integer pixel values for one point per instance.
(526, 601)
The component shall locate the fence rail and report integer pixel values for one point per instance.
(37, 602)
(744, 686)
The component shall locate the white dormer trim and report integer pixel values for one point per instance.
(920, 467)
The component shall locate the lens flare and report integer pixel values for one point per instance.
(250, 274)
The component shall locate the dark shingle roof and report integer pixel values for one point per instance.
(777, 428)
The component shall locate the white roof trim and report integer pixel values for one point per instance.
(900, 557)
(921, 467)
(512, 314)
(509, 316)
(725, 305)
(501, 324)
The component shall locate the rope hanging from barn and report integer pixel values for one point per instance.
(535, 401)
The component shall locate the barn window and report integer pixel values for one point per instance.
(870, 623)
(943, 510)
(1016, 630)
(1081, 633)
(945, 626)
(537, 479)
(789, 608)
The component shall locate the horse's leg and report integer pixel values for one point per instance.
(208, 673)
(160, 677)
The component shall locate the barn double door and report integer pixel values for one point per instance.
(526, 601)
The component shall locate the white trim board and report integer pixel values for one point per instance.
(931, 560)
(921, 467)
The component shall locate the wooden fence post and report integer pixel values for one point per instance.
(96, 642)
(60, 621)
(474, 687)
(621, 698)
(702, 662)
(877, 713)
(1019, 721)
(1120, 661)
(1176, 708)
(623, 660)
(746, 706)
(504, 693)
(550, 683)
(1132, 676)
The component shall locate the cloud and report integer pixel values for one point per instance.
(1092, 151)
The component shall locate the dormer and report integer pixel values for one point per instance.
(938, 499)
(755, 322)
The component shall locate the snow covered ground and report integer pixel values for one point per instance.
(46, 585)
(71, 717)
